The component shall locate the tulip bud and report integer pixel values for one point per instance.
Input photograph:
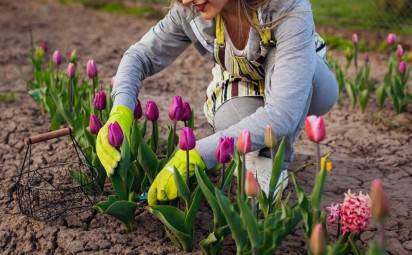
(57, 58)
(45, 46)
(72, 56)
(252, 188)
(355, 39)
(270, 139)
(315, 128)
(391, 39)
(39, 53)
(112, 81)
(115, 135)
(176, 109)
(399, 51)
(94, 124)
(187, 140)
(151, 112)
(187, 112)
(317, 240)
(224, 150)
(91, 68)
(137, 113)
(244, 142)
(366, 58)
(71, 70)
(99, 101)
(402, 67)
(380, 207)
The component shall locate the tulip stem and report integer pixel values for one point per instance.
(71, 97)
(243, 175)
(318, 155)
(381, 230)
(173, 138)
(187, 168)
(222, 176)
(94, 86)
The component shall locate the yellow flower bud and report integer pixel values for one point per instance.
(270, 139)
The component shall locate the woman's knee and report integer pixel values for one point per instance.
(325, 89)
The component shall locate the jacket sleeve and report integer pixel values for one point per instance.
(160, 46)
(290, 87)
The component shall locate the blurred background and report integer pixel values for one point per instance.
(378, 15)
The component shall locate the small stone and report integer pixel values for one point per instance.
(395, 247)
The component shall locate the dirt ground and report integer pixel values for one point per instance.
(364, 146)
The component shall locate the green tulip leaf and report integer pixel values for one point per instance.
(229, 171)
(194, 208)
(239, 234)
(277, 166)
(103, 205)
(123, 211)
(250, 222)
(148, 160)
(182, 187)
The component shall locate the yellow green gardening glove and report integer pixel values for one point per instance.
(108, 155)
(164, 187)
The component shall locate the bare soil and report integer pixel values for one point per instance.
(364, 146)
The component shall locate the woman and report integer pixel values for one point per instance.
(270, 70)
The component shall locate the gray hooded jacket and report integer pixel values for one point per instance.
(290, 67)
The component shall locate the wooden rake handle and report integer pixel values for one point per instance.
(49, 135)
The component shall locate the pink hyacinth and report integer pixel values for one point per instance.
(334, 211)
(355, 213)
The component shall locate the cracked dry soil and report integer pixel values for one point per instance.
(363, 146)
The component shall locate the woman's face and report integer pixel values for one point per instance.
(207, 8)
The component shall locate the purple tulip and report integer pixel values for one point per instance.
(57, 58)
(91, 68)
(44, 45)
(402, 67)
(187, 140)
(355, 39)
(94, 124)
(187, 112)
(224, 150)
(115, 135)
(176, 108)
(71, 70)
(99, 100)
(399, 51)
(152, 112)
(137, 113)
(391, 39)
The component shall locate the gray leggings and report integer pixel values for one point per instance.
(324, 96)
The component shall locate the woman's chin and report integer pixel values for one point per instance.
(208, 15)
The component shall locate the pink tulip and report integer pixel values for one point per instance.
(71, 70)
(115, 135)
(224, 150)
(317, 240)
(402, 67)
(187, 112)
(138, 112)
(380, 205)
(57, 58)
(315, 128)
(244, 142)
(187, 140)
(252, 188)
(176, 109)
(91, 68)
(151, 112)
(399, 51)
(391, 39)
(355, 39)
(99, 101)
(94, 124)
